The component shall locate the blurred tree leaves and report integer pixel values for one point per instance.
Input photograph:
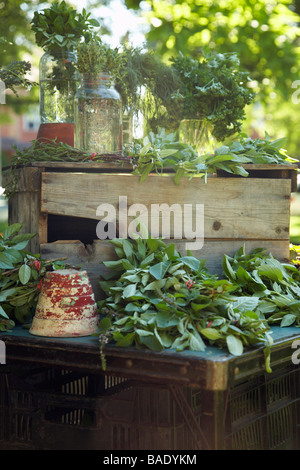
(264, 34)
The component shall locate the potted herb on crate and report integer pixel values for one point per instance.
(57, 30)
(213, 95)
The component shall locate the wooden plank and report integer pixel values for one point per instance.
(24, 206)
(88, 166)
(90, 257)
(97, 165)
(264, 166)
(243, 208)
(27, 179)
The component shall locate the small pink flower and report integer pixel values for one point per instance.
(93, 155)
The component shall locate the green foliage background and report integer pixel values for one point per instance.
(264, 34)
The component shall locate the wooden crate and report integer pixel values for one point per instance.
(59, 202)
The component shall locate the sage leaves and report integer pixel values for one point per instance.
(159, 299)
(159, 152)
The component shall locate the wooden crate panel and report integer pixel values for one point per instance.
(234, 208)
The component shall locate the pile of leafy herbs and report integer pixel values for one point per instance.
(158, 299)
(272, 287)
(159, 153)
(21, 277)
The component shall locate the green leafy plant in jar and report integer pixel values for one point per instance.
(214, 93)
(57, 30)
(98, 105)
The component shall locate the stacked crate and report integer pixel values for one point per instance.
(59, 201)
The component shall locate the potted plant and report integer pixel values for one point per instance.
(213, 94)
(57, 30)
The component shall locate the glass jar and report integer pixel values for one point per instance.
(98, 115)
(198, 134)
(58, 86)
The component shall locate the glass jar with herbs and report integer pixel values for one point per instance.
(98, 115)
(98, 105)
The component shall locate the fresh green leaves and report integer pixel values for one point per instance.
(21, 276)
(94, 57)
(215, 90)
(163, 300)
(159, 152)
(158, 299)
(273, 287)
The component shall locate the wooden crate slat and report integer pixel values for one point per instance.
(233, 207)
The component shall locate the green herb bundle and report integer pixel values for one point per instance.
(213, 89)
(61, 26)
(147, 88)
(95, 57)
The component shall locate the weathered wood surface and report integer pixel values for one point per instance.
(233, 208)
(236, 210)
(24, 206)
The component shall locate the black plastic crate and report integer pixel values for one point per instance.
(3, 408)
(264, 413)
(61, 409)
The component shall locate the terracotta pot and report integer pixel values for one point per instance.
(62, 132)
(66, 306)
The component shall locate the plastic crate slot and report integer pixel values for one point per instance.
(280, 428)
(22, 427)
(247, 404)
(249, 437)
(279, 389)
